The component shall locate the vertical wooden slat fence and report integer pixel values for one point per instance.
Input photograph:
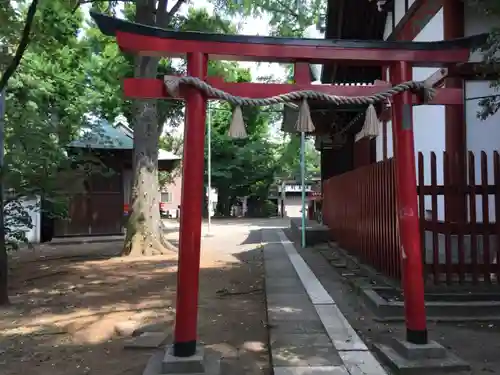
(359, 207)
(463, 251)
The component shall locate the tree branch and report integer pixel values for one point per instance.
(175, 8)
(163, 17)
(23, 44)
(81, 2)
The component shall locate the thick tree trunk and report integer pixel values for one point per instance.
(223, 207)
(144, 228)
(4, 277)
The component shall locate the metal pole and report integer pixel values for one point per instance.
(186, 315)
(303, 182)
(209, 162)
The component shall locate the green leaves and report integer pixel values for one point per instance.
(491, 8)
(45, 108)
(286, 18)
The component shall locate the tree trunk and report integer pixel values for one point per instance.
(4, 277)
(144, 228)
(223, 207)
(4, 260)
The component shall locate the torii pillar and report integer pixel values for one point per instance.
(186, 316)
(455, 126)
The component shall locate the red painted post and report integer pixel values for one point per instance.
(191, 210)
(455, 125)
(411, 258)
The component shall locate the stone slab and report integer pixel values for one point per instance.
(154, 365)
(292, 312)
(318, 370)
(343, 336)
(303, 350)
(270, 235)
(194, 364)
(288, 285)
(361, 363)
(440, 311)
(315, 232)
(315, 290)
(147, 340)
(279, 268)
(273, 250)
(297, 326)
(415, 352)
(292, 299)
(404, 366)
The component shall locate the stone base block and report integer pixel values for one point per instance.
(201, 363)
(194, 364)
(408, 358)
(418, 352)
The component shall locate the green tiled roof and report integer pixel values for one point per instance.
(103, 135)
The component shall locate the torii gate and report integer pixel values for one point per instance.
(400, 57)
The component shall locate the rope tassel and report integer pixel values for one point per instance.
(304, 122)
(237, 129)
(172, 85)
(371, 126)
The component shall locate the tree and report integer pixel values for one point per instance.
(45, 110)
(287, 18)
(290, 158)
(144, 229)
(253, 160)
(173, 143)
(147, 117)
(490, 105)
(9, 19)
(252, 165)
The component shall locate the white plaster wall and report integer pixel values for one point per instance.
(481, 135)
(388, 26)
(428, 120)
(399, 10)
(293, 206)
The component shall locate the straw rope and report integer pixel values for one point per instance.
(172, 84)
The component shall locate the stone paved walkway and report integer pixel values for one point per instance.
(309, 334)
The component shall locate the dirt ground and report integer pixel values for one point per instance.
(69, 302)
(477, 343)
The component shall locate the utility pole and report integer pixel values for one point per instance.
(209, 167)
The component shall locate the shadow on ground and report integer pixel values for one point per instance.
(68, 308)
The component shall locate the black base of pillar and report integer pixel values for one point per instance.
(184, 349)
(417, 337)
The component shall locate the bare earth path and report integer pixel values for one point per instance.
(72, 302)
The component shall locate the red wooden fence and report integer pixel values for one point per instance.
(463, 249)
(360, 209)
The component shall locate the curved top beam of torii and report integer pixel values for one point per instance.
(153, 41)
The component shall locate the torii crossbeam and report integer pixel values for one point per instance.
(198, 48)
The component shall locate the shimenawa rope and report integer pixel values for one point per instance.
(172, 84)
(304, 122)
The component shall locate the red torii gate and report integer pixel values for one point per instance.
(401, 57)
